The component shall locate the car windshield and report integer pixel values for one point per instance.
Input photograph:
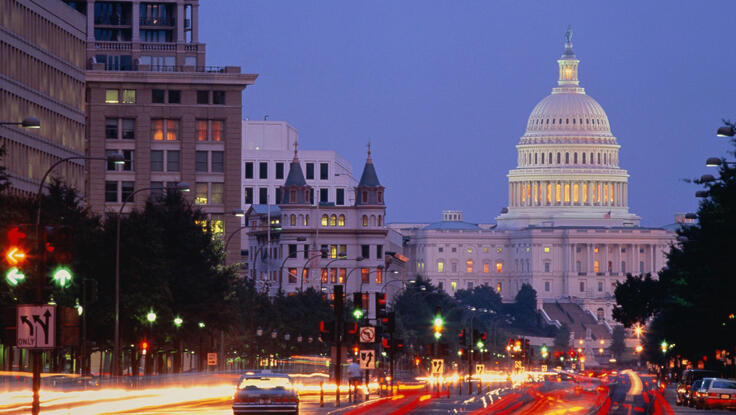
(697, 383)
(706, 383)
(724, 384)
(265, 382)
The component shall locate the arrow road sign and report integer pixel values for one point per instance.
(480, 368)
(367, 334)
(367, 359)
(36, 326)
(438, 367)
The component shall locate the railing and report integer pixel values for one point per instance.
(161, 47)
(157, 21)
(113, 45)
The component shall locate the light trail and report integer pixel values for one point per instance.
(636, 385)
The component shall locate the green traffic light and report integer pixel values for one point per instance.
(14, 276)
(480, 345)
(437, 335)
(438, 322)
(358, 313)
(151, 316)
(178, 321)
(62, 276)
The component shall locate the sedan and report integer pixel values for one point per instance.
(265, 392)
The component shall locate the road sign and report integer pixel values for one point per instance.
(211, 359)
(517, 364)
(36, 326)
(480, 369)
(438, 367)
(367, 334)
(367, 359)
(544, 368)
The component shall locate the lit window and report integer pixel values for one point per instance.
(454, 285)
(333, 275)
(292, 220)
(499, 250)
(201, 130)
(365, 275)
(469, 266)
(486, 268)
(343, 273)
(333, 220)
(365, 220)
(200, 196)
(440, 266)
(218, 191)
(172, 130)
(585, 190)
(596, 267)
(157, 129)
(323, 275)
(567, 193)
(216, 131)
(333, 251)
(499, 267)
(217, 225)
(546, 249)
(112, 96)
(470, 250)
(557, 193)
(324, 220)
(128, 96)
(575, 193)
(485, 249)
(379, 276)
(498, 287)
(292, 275)
(595, 249)
(341, 220)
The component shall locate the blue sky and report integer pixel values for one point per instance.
(443, 89)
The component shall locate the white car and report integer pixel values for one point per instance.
(716, 393)
(265, 392)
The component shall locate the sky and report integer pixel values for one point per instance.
(443, 89)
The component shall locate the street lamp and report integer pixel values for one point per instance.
(28, 122)
(707, 178)
(182, 186)
(727, 130)
(151, 316)
(178, 321)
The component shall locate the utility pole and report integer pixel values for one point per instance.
(338, 340)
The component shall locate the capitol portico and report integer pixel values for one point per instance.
(567, 229)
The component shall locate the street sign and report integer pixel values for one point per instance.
(36, 326)
(480, 369)
(367, 334)
(438, 367)
(211, 359)
(544, 368)
(367, 359)
(517, 364)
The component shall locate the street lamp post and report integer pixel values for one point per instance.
(28, 122)
(34, 123)
(116, 345)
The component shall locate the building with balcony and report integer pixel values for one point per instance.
(567, 230)
(152, 98)
(42, 61)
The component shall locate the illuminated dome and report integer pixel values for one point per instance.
(567, 170)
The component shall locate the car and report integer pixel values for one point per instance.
(265, 392)
(698, 390)
(686, 380)
(689, 398)
(720, 393)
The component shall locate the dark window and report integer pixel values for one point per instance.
(157, 190)
(340, 197)
(203, 97)
(157, 160)
(322, 195)
(292, 250)
(111, 191)
(218, 97)
(365, 251)
(311, 196)
(174, 96)
(128, 128)
(218, 162)
(323, 171)
(379, 251)
(278, 196)
(172, 160)
(324, 250)
(263, 195)
(127, 192)
(157, 96)
(263, 170)
(306, 251)
(249, 195)
(310, 171)
(111, 165)
(279, 170)
(248, 169)
(200, 161)
(111, 128)
(128, 156)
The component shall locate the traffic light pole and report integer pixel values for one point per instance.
(470, 360)
(337, 291)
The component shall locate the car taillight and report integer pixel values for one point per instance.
(712, 394)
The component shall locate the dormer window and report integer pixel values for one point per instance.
(380, 197)
(365, 197)
(292, 196)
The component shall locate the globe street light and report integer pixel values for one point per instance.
(28, 122)
(151, 316)
(178, 321)
(182, 186)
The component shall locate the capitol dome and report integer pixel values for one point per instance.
(567, 170)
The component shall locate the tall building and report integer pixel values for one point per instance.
(298, 244)
(267, 151)
(152, 98)
(42, 60)
(567, 230)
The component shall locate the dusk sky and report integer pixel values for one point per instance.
(443, 89)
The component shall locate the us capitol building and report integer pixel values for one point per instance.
(567, 229)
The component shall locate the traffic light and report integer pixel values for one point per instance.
(144, 347)
(325, 331)
(544, 351)
(461, 337)
(438, 323)
(17, 248)
(356, 349)
(358, 304)
(381, 306)
(59, 254)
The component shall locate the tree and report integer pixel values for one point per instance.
(638, 298)
(4, 179)
(525, 306)
(562, 339)
(691, 303)
(618, 346)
